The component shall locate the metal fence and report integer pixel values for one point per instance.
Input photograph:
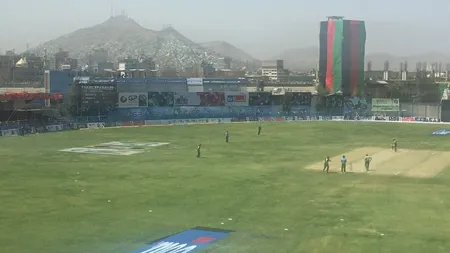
(420, 110)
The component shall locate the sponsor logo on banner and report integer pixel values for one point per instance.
(385, 105)
(186, 98)
(95, 125)
(10, 132)
(409, 119)
(132, 99)
(54, 128)
(394, 119)
(236, 99)
(441, 132)
(117, 148)
(381, 118)
(187, 241)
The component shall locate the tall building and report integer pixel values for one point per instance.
(274, 70)
(342, 51)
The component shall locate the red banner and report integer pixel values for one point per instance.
(408, 119)
(12, 96)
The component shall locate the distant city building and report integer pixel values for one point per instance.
(98, 56)
(21, 70)
(129, 67)
(230, 73)
(223, 63)
(208, 69)
(64, 62)
(274, 70)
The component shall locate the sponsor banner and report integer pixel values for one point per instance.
(187, 121)
(422, 119)
(337, 118)
(168, 81)
(10, 132)
(95, 125)
(441, 132)
(409, 119)
(186, 98)
(195, 81)
(100, 151)
(117, 148)
(132, 99)
(394, 119)
(198, 121)
(385, 105)
(381, 118)
(186, 241)
(54, 128)
(225, 81)
(294, 118)
(155, 122)
(236, 98)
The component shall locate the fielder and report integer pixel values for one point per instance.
(394, 145)
(326, 164)
(227, 136)
(198, 150)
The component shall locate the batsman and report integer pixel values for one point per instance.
(367, 160)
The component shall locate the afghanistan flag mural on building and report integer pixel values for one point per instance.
(341, 60)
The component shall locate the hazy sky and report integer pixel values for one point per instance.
(262, 28)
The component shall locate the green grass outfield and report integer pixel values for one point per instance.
(54, 202)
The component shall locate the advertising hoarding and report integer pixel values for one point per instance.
(186, 98)
(132, 99)
(236, 98)
(385, 105)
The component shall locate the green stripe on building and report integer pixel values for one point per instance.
(337, 55)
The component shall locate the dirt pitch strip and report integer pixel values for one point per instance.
(406, 162)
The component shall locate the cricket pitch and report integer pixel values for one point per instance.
(406, 162)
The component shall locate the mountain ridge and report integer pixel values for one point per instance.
(227, 49)
(123, 37)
